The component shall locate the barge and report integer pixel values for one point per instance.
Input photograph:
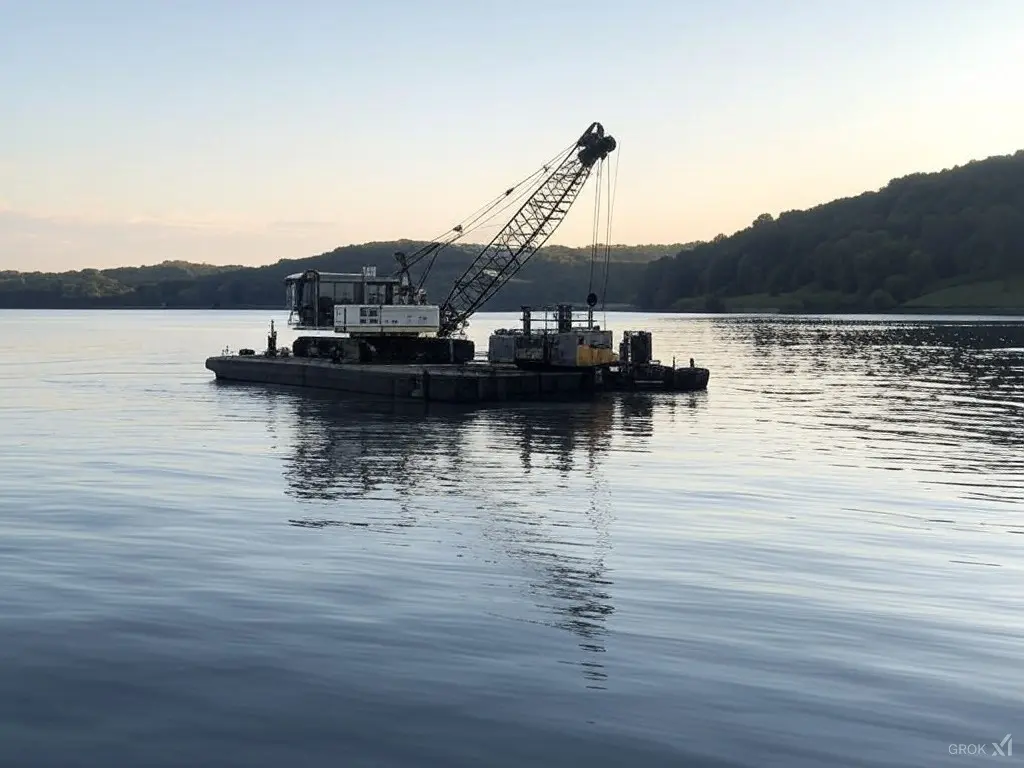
(520, 366)
(469, 383)
(379, 335)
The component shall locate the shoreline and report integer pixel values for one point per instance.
(896, 311)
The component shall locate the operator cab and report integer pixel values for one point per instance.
(349, 302)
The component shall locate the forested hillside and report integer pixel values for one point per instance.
(947, 240)
(951, 240)
(555, 274)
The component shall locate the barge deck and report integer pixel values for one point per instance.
(451, 383)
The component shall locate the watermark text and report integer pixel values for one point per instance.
(1002, 748)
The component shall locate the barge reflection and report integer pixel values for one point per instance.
(528, 481)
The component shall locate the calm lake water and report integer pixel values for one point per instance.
(817, 562)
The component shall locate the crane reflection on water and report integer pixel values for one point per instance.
(528, 480)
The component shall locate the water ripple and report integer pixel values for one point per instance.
(812, 563)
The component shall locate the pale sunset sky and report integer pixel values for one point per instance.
(244, 131)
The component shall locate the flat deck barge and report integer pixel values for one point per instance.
(451, 383)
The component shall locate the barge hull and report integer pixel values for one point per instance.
(473, 383)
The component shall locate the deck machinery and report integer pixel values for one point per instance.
(566, 338)
(370, 319)
(378, 319)
(557, 338)
(367, 318)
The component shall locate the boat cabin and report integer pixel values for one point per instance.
(357, 302)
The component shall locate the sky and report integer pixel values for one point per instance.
(244, 131)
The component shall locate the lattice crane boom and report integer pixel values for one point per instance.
(530, 227)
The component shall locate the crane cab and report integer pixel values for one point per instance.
(358, 304)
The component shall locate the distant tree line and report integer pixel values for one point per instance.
(920, 234)
(555, 274)
(947, 240)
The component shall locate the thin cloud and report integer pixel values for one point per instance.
(54, 242)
